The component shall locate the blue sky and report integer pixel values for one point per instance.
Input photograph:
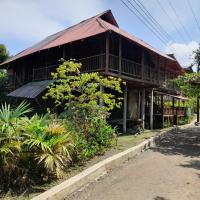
(28, 21)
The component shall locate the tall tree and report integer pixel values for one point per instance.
(4, 54)
(197, 58)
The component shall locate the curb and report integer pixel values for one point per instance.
(91, 174)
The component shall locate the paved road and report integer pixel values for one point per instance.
(170, 171)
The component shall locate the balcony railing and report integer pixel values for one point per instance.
(89, 64)
(93, 63)
(43, 73)
(129, 68)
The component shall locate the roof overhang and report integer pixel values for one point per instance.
(31, 90)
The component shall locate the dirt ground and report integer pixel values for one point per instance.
(170, 171)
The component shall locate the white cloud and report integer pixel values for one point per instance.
(183, 52)
(32, 20)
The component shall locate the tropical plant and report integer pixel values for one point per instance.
(49, 143)
(10, 140)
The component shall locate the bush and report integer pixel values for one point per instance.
(92, 134)
(31, 149)
(40, 148)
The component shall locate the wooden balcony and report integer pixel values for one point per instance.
(127, 68)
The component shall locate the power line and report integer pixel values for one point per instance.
(193, 13)
(147, 21)
(188, 35)
(172, 22)
(153, 20)
(143, 21)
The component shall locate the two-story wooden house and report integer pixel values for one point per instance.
(100, 45)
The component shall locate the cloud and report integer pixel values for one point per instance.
(183, 52)
(33, 20)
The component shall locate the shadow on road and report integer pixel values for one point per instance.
(184, 142)
(195, 164)
(160, 198)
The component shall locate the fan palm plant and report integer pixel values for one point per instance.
(9, 138)
(49, 143)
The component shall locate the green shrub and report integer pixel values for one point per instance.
(31, 148)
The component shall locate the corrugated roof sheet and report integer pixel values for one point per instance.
(84, 29)
(31, 90)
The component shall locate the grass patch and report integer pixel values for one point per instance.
(128, 140)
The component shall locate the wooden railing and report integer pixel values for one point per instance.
(93, 63)
(113, 63)
(43, 73)
(89, 64)
(129, 68)
(179, 111)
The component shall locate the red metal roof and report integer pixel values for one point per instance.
(85, 29)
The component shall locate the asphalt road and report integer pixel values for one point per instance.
(170, 171)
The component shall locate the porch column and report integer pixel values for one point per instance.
(162, 109)
(125, 109)
(197, 109)
(120, 55)
(107, 52)
(173, 110)
(151, 110)
(143, 107)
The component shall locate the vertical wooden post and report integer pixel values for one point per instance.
(197, 109)
(151, 110)
(125, 109)
(143, 108)
(107, 52)
(173, 111)
(162, 110)
(142, 63)
(139, 104)
(120, 55)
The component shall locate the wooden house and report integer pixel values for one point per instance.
(100, 45)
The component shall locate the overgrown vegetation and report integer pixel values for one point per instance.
(31, 149)
(86, 106)
(36, 149)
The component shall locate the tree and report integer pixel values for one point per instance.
(4, 54)
(189, 84)
(3, 85)
(73, 89)
(82, 96)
